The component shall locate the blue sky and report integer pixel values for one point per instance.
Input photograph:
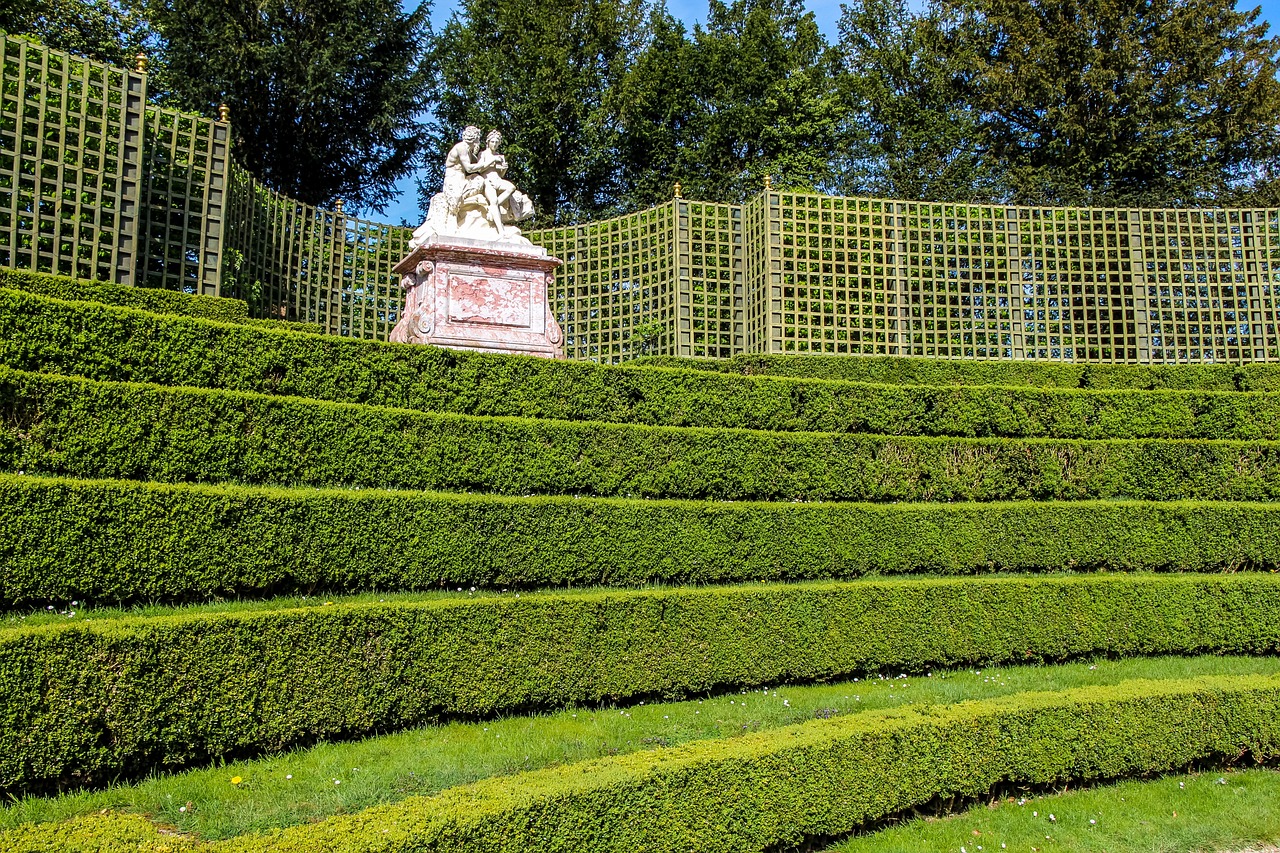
(691, 12)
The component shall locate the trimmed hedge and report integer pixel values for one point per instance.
(127, 296)
(901, 370)
(83, 703)
(67, 540)
(101, 342)
(773, 789)
(58, 425)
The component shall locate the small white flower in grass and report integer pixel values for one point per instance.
(1092, 822)
(1220, 781)
(337, 781)
(1052, 818)
(288, 776)
(182, 808)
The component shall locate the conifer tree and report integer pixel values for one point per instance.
(325, 95)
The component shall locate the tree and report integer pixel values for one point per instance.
(763, 77)
(654, 106)
(104, 30)
(540, 73)
(917, 136)
(1122, 101)
(324, 94)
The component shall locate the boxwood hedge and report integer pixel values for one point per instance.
(102, 342)
(143, 298)
(775, 789)
(900, 370)
(85, 702)
(58, 425)
(70, 540)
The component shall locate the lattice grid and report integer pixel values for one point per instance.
(186, 159)
(616, 285)
(70, 154)
(298, 262)
(710, 279)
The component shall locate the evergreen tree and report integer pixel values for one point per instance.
(325, 94)
(916, 136)
(763, 76)
(104, 30)
(1123, 101)
(540, 73)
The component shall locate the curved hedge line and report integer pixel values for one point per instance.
(58, 425)
(102, 342)
(82, 703)
(127, 296)
(70, 540)
(902, 370)
(775, 789)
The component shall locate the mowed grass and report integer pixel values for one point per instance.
(330, 779)
(1220, 811)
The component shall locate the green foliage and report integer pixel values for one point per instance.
(324, 94)
(106, 30)
(766, 790)
(37, 333)
(762, 76)
(54, 425)
(1114, 103)
(897, 370)
(917, 133)
(539, 72)
(107, 697)
(128, 542)
(141, 298)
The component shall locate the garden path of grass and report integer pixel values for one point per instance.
(1236, 810)
(329, 779)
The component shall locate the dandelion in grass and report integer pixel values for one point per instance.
(236, 780)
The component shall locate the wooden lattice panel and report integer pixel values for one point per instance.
(184, 198)
(70, 157)
(710, 279)
(298, 262)
(1209, 279)
(618, 274)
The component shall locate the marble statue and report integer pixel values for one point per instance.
(476, 201)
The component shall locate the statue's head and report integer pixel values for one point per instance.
(471, 134)
(494, 139)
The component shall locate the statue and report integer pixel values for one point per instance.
(476, 201)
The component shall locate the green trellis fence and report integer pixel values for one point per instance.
(98, 184)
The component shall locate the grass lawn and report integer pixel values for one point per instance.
(1232, 810)
(330, 779)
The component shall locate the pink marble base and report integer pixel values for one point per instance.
(477, 295)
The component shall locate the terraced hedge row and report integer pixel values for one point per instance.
(108, 541)
(119, 344)
(84, 702)
(899, 370)
(772, 790)
(56, 425)
(127, 296)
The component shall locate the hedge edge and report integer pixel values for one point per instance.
(81, 703)
(105, 343)
(110, 541)
(767, 790)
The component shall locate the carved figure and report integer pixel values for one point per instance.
(476, 200)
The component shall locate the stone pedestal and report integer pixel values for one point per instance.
(479, 295)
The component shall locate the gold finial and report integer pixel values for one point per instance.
(768, 183)
(224, 112)
(338, 206)
(140, 63)
(679, 190)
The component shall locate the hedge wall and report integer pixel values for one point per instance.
(83, 703)
(126, 542)
(57, 425)
(102, 342)
(774, 789)
(899, 370)
(143, 298)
